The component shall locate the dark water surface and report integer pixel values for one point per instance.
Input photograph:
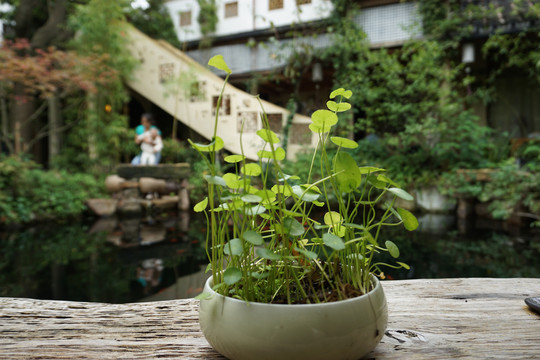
(128, 260)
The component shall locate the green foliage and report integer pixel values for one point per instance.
(155, 21)
(278, 249)
(511, 188)
(452, 21)
(411, 109)
(175, 151)
(99, 137)
(513, 52)
(29, 193)
(207, 20)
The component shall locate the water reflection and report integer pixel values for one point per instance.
(445, 247)
(162, 257)
(112, 260)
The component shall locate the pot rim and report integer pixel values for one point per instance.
(374, 279)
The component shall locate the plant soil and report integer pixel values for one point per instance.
(319, 293)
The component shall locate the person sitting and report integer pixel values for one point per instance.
(151, 144)
(147, 122)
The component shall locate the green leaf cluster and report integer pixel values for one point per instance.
(29, 193)
(276, 237)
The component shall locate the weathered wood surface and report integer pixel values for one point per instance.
(428, 319)
(161, 171)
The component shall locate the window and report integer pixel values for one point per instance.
(275, 4)
(247, 122)
(300, 134)
(166, 72)
(185, 18)
(276, 122)
(303, 2)
(225, 108)
(231, 9)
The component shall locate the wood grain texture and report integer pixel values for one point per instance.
(428, 319)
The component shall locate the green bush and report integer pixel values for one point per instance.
(29, 193)
(175, 151)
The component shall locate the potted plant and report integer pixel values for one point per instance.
(293, 261)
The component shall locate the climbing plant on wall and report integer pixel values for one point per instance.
(207, 20)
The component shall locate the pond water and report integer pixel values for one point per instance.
(162, 257)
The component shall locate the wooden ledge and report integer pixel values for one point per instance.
(176, 171)
(475, 318)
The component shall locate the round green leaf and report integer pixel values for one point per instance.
(216, 180)
(309, 195)
(232, 275)
(234, 181)
(216, 144)
(332, 218)
(284, 190)
(267, 254)
(309, 254)
(333, 241)
(251, 169)
(339, 230)
(233, 247)
(293, 227)
(376, 182)
(259, 276)
(266, 195)
(265, 154)
(234, 158)
(341, 91)
(219, 63)
(400, 193)
(250, 198)
(369, 169)
(337, 92)
(337, 107)
(289, 177)
(254, 210)
(392, 249)
(201, 205)
(409, 220)
(268, 135)
(386, 179)
(319, 129)
(344, 142)
(324, 118)
(253, 237)
(348, 175)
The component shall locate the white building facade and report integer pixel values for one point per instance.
(390, 24)
(245, 16)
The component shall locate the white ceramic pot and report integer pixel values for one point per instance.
(347, 329)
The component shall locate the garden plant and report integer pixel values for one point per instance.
(277, 238)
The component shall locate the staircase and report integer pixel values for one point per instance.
(189, 92)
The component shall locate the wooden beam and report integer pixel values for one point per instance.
(474, 318)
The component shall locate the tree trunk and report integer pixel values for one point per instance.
(22, 109)
(53, 29)
(40, 35)
(4, 127)
(55, 122)
(91, 127)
